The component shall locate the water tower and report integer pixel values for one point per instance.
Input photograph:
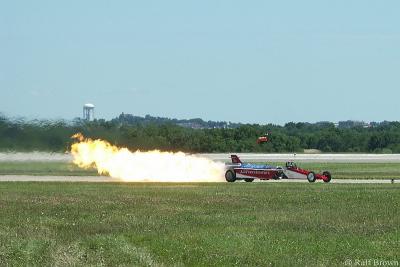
(88, 112)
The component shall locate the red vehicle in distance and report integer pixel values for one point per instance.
(262, 139)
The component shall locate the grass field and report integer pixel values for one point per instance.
(197, 224)
(338, 170)
(43, 168)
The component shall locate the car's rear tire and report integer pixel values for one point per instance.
(248, 180)
(230, 176)
(327, 175)
(311, 177)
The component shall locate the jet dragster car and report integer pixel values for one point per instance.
(248, 172)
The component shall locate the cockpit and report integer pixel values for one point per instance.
(291, 164)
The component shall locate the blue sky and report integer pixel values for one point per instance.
(241, 61)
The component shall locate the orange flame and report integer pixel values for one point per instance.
(151, 166)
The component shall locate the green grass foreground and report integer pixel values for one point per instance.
(338, 170)
(243, 224)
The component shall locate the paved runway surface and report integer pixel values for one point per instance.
(102, 179)
(252, 157)
(355, 158)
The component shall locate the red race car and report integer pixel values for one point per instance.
(248, 172)
(291, 171)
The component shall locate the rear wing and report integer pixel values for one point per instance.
(235, 159)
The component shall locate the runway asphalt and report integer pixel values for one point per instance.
(224, 157)
(105, 179)
(339, 158)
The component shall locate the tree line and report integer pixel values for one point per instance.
(21, 135)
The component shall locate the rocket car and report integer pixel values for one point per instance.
(238, 170)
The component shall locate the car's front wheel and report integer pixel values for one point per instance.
(230, 176)
(328, 176)
(311, 177)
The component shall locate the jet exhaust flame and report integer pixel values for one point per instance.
(150, 166)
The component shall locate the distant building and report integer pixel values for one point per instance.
(192, 125)
(324, 123)
(351, 124)
(374, 124)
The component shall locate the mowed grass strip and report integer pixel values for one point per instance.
(338, 170)
(242, 224)
(44, 168)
